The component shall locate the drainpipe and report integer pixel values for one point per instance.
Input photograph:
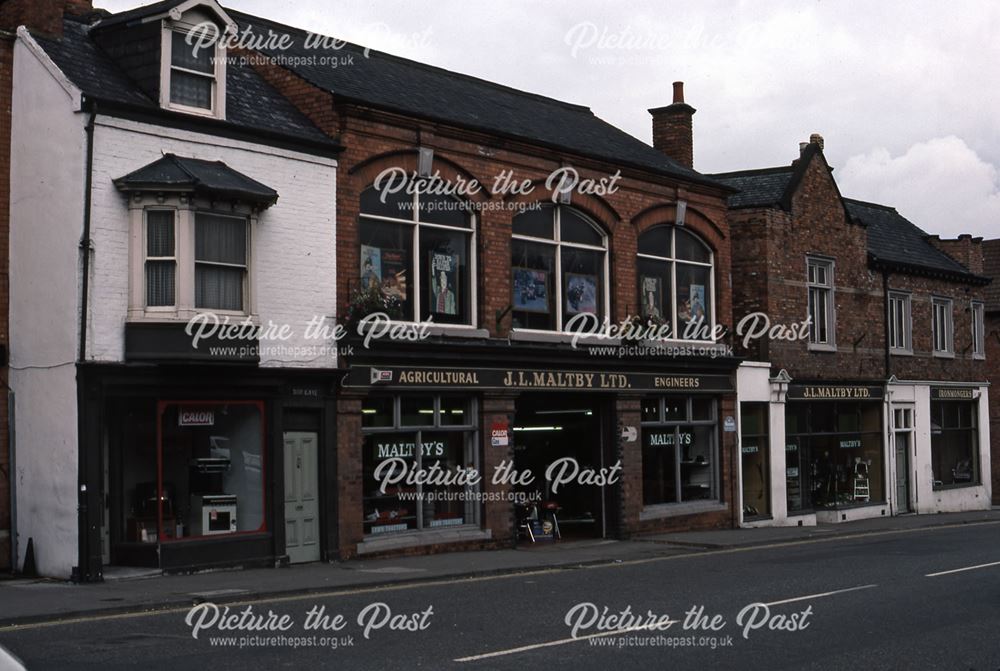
(12, 479)
(85, 240)
(885, 316)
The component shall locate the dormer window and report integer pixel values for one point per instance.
(192, 73)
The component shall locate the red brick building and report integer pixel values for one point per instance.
(520, 266)
(877, 404)
(991, 268)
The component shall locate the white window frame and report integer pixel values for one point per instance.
(416, 225)
(978, 314)
(672, 259)
(558, 243)
(167, 68)
(899, 302)
(185, 210)
(829, 288)
(146, 258)
(947, 307)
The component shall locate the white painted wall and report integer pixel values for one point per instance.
(949, 500)
(47, 185)
(295, 246)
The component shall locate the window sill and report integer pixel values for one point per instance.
(948, 488)
(831, 349)
(531, 335)
(944, 355)
(409, 539)
(662, 510)
(901, 352)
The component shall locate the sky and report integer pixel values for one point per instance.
(905, 93)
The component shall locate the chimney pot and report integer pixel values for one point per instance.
(802, 147)
(678, 92)
(817, 139)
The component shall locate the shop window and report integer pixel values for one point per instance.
(822, 325)
(558, 268)
(679, 452)
(203, 476)
(754, 457)
(900, 324)
(955, 444)
(942, 327)
(432, 433)
(978, 330)
(417, 253)
(833, 455)
(676, 275)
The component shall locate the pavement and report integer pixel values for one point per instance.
(24, 601)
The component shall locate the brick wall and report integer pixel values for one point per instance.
(992, 371)
(771, 247)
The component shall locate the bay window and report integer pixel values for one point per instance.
(559, 268)
(220, 261)
(161, 258)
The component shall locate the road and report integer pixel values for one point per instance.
(923, 599)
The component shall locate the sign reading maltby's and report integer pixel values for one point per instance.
(953, 393)
(406, 377)
(835, 392)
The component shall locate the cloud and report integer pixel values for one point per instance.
(941, 185)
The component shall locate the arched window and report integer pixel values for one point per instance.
(676, 281)
(418, 247)
(559, 268)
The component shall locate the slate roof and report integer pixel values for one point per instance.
(212, 178)
(251, 103)
(895, 241)
(415, 89)
(757, 188)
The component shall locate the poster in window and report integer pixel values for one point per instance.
(444, 283)
(652, 296)
(394, 273)
(691, 303)
(531, 290)
(371, 267)
(581, 293)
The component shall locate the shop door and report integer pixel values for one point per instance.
(903, 471)
(301, 497)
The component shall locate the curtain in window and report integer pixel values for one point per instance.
(160, 274)
(220, 262)
(191, 90)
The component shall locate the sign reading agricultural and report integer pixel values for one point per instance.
(522, 379)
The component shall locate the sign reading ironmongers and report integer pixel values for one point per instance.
(835, 392)
(953, 393)
(519, 379)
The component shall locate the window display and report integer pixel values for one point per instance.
(754, 455)
(954, 443)
(429, 433)
(679, 450)
(834, 455)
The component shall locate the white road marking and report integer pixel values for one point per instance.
(564, 641)
(960, 570)
(820, 595)
(549, 644)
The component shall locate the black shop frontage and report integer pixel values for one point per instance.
(614, 447)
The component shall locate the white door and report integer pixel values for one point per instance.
(301, 497)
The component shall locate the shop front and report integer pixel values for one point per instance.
(453, 455)
(198, 467)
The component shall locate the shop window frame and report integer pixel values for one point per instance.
(715, 452)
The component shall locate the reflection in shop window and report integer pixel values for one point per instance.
(679, 452)
(754, 457)
(954, 444)
(431, 431)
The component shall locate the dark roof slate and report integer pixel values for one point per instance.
(211, 178)
(757, 188)
(251, 102)
(396, 84)
(896, 241)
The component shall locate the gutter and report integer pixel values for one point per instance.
(85, 244)
(885, 318)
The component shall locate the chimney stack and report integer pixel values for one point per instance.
(672, 129)
(41, 16)
(817, 139)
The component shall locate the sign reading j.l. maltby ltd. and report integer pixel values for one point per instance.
(835, 392)
(519, 378)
